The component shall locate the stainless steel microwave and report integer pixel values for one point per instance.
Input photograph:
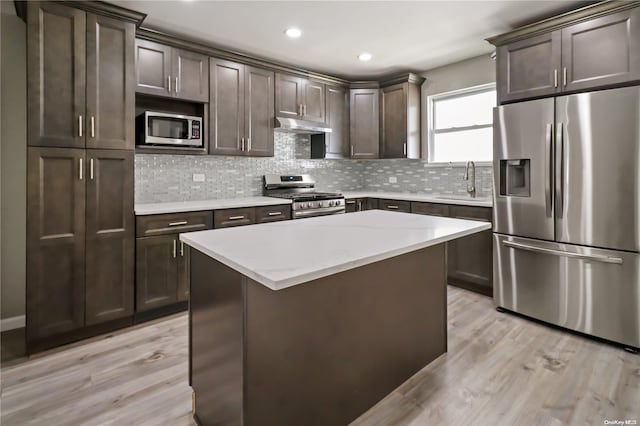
(159, 128)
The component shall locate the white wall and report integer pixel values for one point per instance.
(459, 75)
(13, 131)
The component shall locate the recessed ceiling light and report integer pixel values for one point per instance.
(293, 32)
(365, 56)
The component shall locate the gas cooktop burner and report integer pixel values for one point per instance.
(307, 196)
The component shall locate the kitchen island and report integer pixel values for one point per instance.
(311, 322)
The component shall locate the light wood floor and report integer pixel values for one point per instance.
(500, 370)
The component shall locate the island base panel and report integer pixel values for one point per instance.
(319, 353)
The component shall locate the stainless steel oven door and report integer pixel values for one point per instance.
(590, 290)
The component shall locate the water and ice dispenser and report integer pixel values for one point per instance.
(515, 177)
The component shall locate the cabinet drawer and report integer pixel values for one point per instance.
(173, 223)
(393, 205)
(471, 213)
(431, 209)
(273, 213)
(234, 217)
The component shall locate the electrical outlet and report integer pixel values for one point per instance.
(198, 177)
(393, 179)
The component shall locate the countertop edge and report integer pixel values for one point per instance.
(301, 279)
(426, 198)
(194, 206)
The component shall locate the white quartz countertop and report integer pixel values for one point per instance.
(426, 198)
(192, 206)
(283, 254)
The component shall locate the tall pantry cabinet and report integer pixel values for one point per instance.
(80, 219)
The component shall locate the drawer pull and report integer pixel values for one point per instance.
(275, 213)
(182, 222)
(392, 207)
(350, 201)
(236, 217)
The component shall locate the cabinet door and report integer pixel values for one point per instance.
(351, 205)
(337, 116)
(184, 277)
(529, 68)
(156, 271)
(603, 51)
(55, 241)
(371, 203)
(226, 107)
(109, 235)
(393, 126)
(364, 114)
(56, 40)
(288, 96)
(190, 75)
(470, 259)
(153, 68)
(314, 101)
(259, 113)
(110, 80)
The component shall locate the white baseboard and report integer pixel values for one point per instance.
(12, 323)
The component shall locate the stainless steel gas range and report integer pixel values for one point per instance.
(307, 202)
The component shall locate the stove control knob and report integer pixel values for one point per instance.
(302, 206)
(332, 203)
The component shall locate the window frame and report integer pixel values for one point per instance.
(431, 132)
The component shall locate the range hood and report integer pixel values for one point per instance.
(294, 125)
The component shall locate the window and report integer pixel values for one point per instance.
(461, 125)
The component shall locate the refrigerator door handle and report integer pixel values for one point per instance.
(549, 170)
(594, 257)
(559, 170)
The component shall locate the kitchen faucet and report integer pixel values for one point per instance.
(470, 189)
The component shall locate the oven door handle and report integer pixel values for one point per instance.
(303, 213)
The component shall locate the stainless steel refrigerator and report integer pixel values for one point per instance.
(567, 212)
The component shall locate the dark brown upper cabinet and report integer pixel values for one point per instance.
(400, 118)
(337, 117)
(597, 52)
(240, 109)
(529, 68)
(80, 78)
(364, 112)
(601, 52)
(55, 241)
(109, 235)
(170, 72)
(301, 98)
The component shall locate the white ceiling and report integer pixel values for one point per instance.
(401, 35)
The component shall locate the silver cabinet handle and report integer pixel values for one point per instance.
(182, 222)
(559, 170)
(169, 82)
(352, 150)
(275, 213)
(248, 144)
(177, 89)
(405, 149)
(181, 248)
(564, 76)
(80, 125)
(548, 168)
(174, 249)
(595, 257)
(80, 171)
(91, 168)
(392, 207)
(350, 201)
(304, 109)
(242, 144)
(236, 217)
(555, 77)
(93, 126)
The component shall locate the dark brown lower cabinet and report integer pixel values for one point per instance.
(470, 259)
(55, 241)
(161, 277)
(80, 230)
(360, 204)
(109, 236)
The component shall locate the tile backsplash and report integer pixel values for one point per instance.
(162, 177)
